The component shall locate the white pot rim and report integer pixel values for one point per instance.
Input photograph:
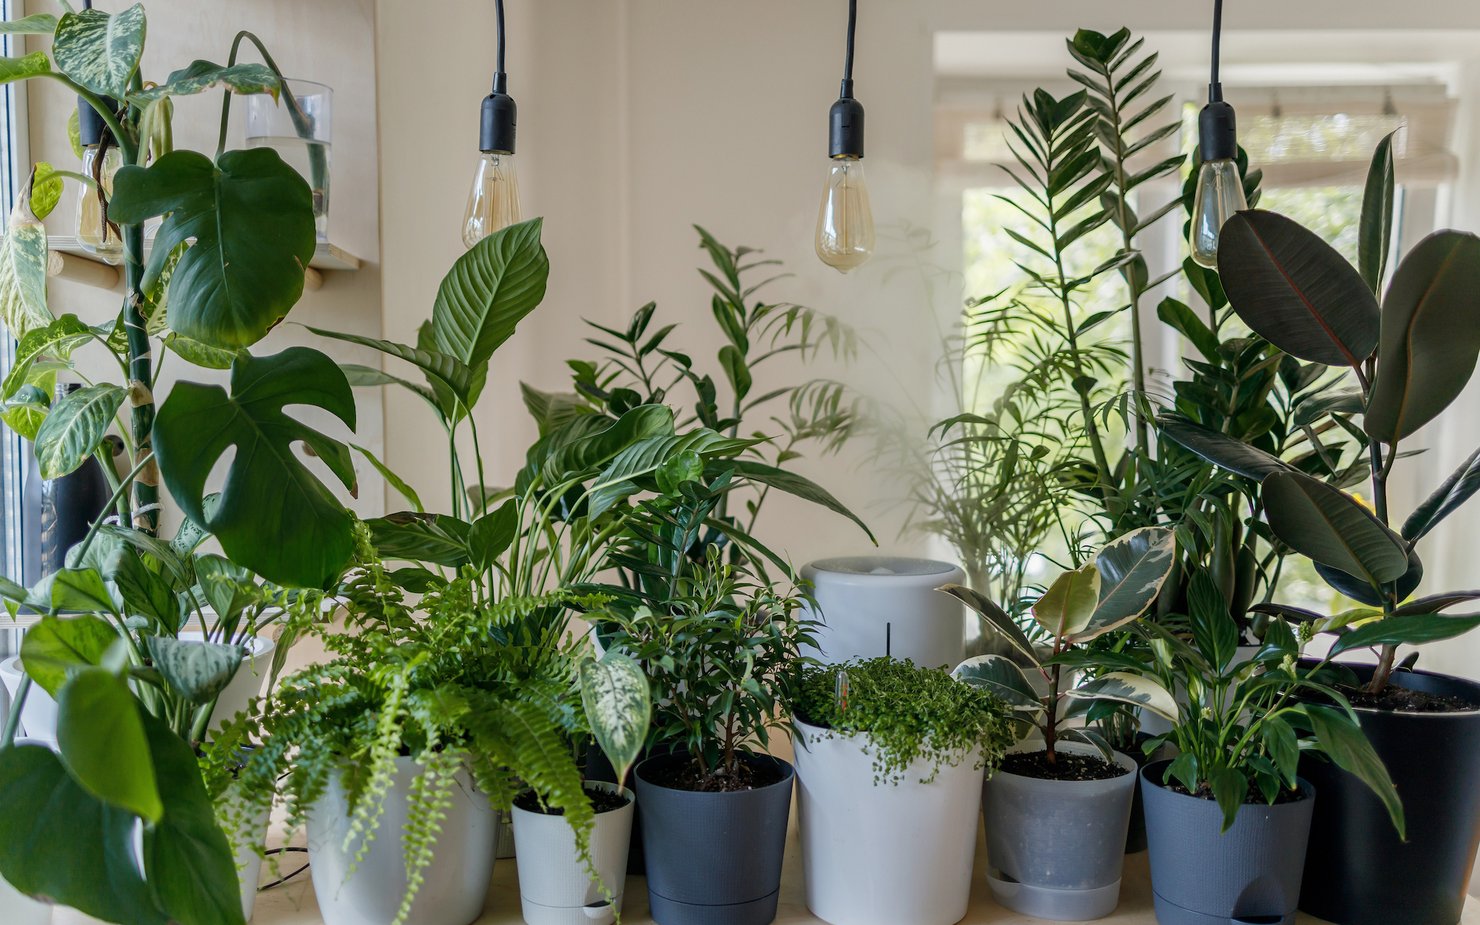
(602, 785)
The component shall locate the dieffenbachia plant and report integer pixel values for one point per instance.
(1107, 594)
(1408, 352)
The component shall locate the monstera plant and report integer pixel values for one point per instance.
(227, 263)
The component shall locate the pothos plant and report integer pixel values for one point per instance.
(1083, 604)
(227, 264)
(1406, 353)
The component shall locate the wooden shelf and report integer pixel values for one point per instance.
(68, 260)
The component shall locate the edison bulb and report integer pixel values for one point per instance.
(1220, 193)
(494, 200)
(94, 234)
(845, 223)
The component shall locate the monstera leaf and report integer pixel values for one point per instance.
(251, 218)
(274, 516)
(100, 50)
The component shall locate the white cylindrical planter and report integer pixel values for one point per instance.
(454, 886)
(884, 854)
(39, 715)
(555, 886)
(871, 606)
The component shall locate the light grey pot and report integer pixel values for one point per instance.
(1055, 848)
(1200, 875)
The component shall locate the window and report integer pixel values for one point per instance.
(13, 451)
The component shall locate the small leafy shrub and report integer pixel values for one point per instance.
(908, 713)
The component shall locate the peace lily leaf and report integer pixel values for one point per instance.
(1132, 570)
(1000, 676)
(33, 65)
(200, 76)
(1456, 490)
(995, 616)
(1376, 226)
(1410, 630)
(492, 533)
(54, 647)
(74, 428)
(197, 670)
(1219, 449)
(391, 478)
(251, 218)
(434, 538)
(1295, 290)
(1430, 335)
(275, 517)
(23, 270)
(99, 50)
(1344, 743)
(1133, 689)
(798, 487)
(191, 867)
(58, 841)
(486, 294)
(1230, 788)
(452, 374)
(1069, 603)
(35, 24)
(101, 740)
(618, 705)
(56, 339)
(46, 189)
(1327, 525)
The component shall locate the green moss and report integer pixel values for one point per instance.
(907, 712)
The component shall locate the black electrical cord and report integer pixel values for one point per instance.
(1215, 89)
(499, 15)
(286, 877)
(497, 123)
(848, 57)
(845, 119)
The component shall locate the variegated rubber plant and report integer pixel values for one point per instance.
(1107, 594)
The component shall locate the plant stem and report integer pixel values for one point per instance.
(141, 396)
(17, 704)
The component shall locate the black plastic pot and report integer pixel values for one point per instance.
(713, 858)
(1200, 875)
(1358, 872)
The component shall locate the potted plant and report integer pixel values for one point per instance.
(889, 763)
(720, 655)
(1057, 811)
(1228, 818)
(557, 884)
(134, 694)
(1407, 351)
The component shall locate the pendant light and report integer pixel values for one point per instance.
(1220, 189)
(845, 224)
(493, 202)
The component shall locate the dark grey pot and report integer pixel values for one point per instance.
(713, 858)
(1249, 875)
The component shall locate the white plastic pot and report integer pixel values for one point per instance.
(453, 887)
(555, 887)
(39, 716)
(870, 606)
(884, 854)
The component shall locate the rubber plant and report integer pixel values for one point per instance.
(1083, 604)
(1407, 353)
(227, 265)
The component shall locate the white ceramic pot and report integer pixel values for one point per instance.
(555, 886)
(39, 716)
(453, 887)
(879, 605)
(884, 854)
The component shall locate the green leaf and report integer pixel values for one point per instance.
(35, 24)
(200, 76)
(75, 427)
(23, 256)
(53, 648)
(679, 470)
(1376, 226)
(401, 486)
(1069, 603)
(101, 740)
(585, 443)
(1182, 319)
(1213, 628)
(1343, 741)
(618, 705)
(1295, 290)
(486, 294)
(1327, 525)
(198, 354)
(995, 617)
(1455, 491)
(736, 370)
(1434, 603)
(99, 50)
(1283, 747)
(275, 517)
(74, 134)
(1219, 449)
(33, 65)
(56, 339)
(493, 533)
(434, 538)
(23, 416)
(1410, 630)
(197, 670)
(1124, 687)
(251, 218)
(1230, 787)
(46, 189)
(798, 487)
(58, 841)
(1430, 335)
(1132, 570)
(75, 590)
(1000, 676)
(650, 456)
(446, 371)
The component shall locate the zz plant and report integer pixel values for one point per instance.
(1082, 605)
(1406, 354)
